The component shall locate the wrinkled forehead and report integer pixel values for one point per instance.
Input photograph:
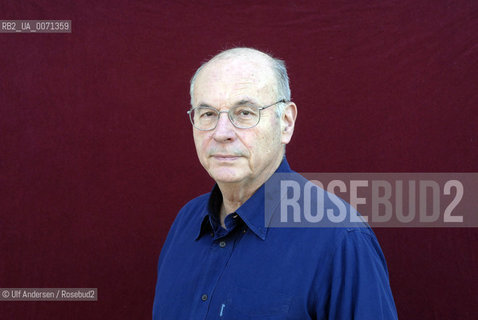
(226, 81)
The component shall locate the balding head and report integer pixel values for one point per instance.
(276, 68)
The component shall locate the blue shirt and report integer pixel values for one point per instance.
(251, 271)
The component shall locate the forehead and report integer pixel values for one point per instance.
(227, 81)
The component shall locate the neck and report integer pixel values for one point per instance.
(236, 194)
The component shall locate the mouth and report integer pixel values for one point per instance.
(225, 157)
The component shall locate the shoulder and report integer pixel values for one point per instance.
(193, 208)
(326, 240)
(356, 250)
(360, 243)
(190, 215)
(199, 202)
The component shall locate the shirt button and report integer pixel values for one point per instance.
(235, 216)
(222, 244)
(204, 297)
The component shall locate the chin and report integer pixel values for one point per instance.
(226, 176)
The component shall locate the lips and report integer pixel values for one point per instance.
(225, 157)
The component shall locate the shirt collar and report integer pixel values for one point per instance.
(251, 212)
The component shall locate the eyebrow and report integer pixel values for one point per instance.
(243, 102)
(238, 103)
(204, 105)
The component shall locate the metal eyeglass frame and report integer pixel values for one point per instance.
(189, 112)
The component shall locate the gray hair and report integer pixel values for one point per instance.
(278, 68)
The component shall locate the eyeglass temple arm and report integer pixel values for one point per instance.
(280, 101)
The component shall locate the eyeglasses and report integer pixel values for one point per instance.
(243, 116)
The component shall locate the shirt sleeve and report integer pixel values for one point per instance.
(164, 252)
(360, 287)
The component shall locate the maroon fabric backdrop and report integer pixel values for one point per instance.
(96, 152)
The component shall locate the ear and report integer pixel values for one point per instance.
(288, 122)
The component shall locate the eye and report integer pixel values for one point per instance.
(206, 113)
(245, 112)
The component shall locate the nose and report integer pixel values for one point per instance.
(224, 130)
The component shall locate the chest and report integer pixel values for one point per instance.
(237, 277)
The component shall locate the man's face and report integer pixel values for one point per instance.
(230, 154)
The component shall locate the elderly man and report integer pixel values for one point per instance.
(221, 259)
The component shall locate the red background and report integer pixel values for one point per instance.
(97, 157)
